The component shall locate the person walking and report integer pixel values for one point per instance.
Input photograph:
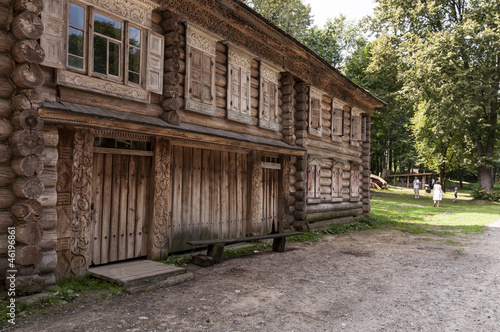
(416, 187)
(437, 193)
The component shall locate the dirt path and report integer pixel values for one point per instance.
(378, 280)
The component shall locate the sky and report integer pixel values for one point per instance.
(352, 9)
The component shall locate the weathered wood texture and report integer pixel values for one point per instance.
(209, 195)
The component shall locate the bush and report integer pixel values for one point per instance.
(479, 193)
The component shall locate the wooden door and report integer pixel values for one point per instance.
(269, 199)
(120, 198)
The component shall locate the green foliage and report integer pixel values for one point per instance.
(256, 246)
(478, 193)
(178, 260)
(292, 16)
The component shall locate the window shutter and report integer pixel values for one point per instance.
(335, 182)
(338, 122)
(53, 40)
(354, 182)
(356, 128)
(266, 100)
(311, 181)
(235, 89)
(195, 60)
(207, 73)
(363, 129)
(317, 189)
(154, 72)
(245, 93)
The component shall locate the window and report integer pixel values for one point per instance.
(112, 44)
(238, 108)
(313, 180)
(200, 70)
(363, 128)
(358, 125)
(268, 112)
(315, 118)
(336, 182)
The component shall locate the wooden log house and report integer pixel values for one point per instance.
(128, 127)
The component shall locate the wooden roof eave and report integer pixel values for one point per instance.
(91, 116)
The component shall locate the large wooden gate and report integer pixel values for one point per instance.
(120, 201)
(209, 195)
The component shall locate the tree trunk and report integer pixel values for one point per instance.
(486, 178)
(442, 177)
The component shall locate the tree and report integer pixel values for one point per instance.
(449, 49)
(292, 16)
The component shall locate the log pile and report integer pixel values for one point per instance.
(172, 100)
(22, 145)
(377, 182)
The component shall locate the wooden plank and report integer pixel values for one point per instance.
(131, 206)
(205, 191)
(239, 195)
(224, 199)
(123, 197)
(196, 193)
(215, 199)
(140, 209)
(106, 207)
(187, 176)
(245, 194)
(232, 198)
(148, 213)
(177, 192)
(115, 209)
(97, 190)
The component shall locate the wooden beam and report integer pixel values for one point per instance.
(254, 226)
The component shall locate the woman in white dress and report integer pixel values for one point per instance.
(437, 194)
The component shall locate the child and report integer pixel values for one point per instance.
(416, 187)
(437, 194)
(456, 195)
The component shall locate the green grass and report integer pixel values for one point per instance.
(65, 290)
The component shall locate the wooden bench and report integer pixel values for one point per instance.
(215, 248)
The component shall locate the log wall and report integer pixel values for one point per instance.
(27, 165)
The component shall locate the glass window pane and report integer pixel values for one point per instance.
(134, 36)
(76, 15)
(114, 59)
(75, 42)
(134, 64)
(123, 144)
(74, 61)
(100, 52)
(107, 26)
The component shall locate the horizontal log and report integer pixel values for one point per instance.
(171, 117)
(5, 108)
(49, 261)
(315, 217)
(28, 255)
(6, 87)
(26, 142)
(50, 135)
(6, 41)
(27, 166)
(27, 50)
(6, 221)
(34, 6)
(49, 197)
(6, 198)
(27, 99)
(301, 87)
(49, 240)
(7, 175)
(28, 187)
(331, 146)
(27, 119)
(29, 233)
(29, 210)
(333, 206)
(27, 76)
(6, 129)
(171, 104)
(27, 25)
(50, 156)
(49, 218)
(6, 65)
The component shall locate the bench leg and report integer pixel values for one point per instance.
(279, 244)
(216, 251)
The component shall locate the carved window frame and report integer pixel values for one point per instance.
(338, 120)
(239, 69)
(315, 112)
(204, 43)
(268, 111)
(138, 14)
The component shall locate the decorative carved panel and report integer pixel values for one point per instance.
(82, 196)
(138, 11)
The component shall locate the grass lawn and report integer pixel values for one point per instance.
(398, 206)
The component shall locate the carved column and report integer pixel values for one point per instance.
(284, 193)
(254, 226)
(158, 232)
(83, 161)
